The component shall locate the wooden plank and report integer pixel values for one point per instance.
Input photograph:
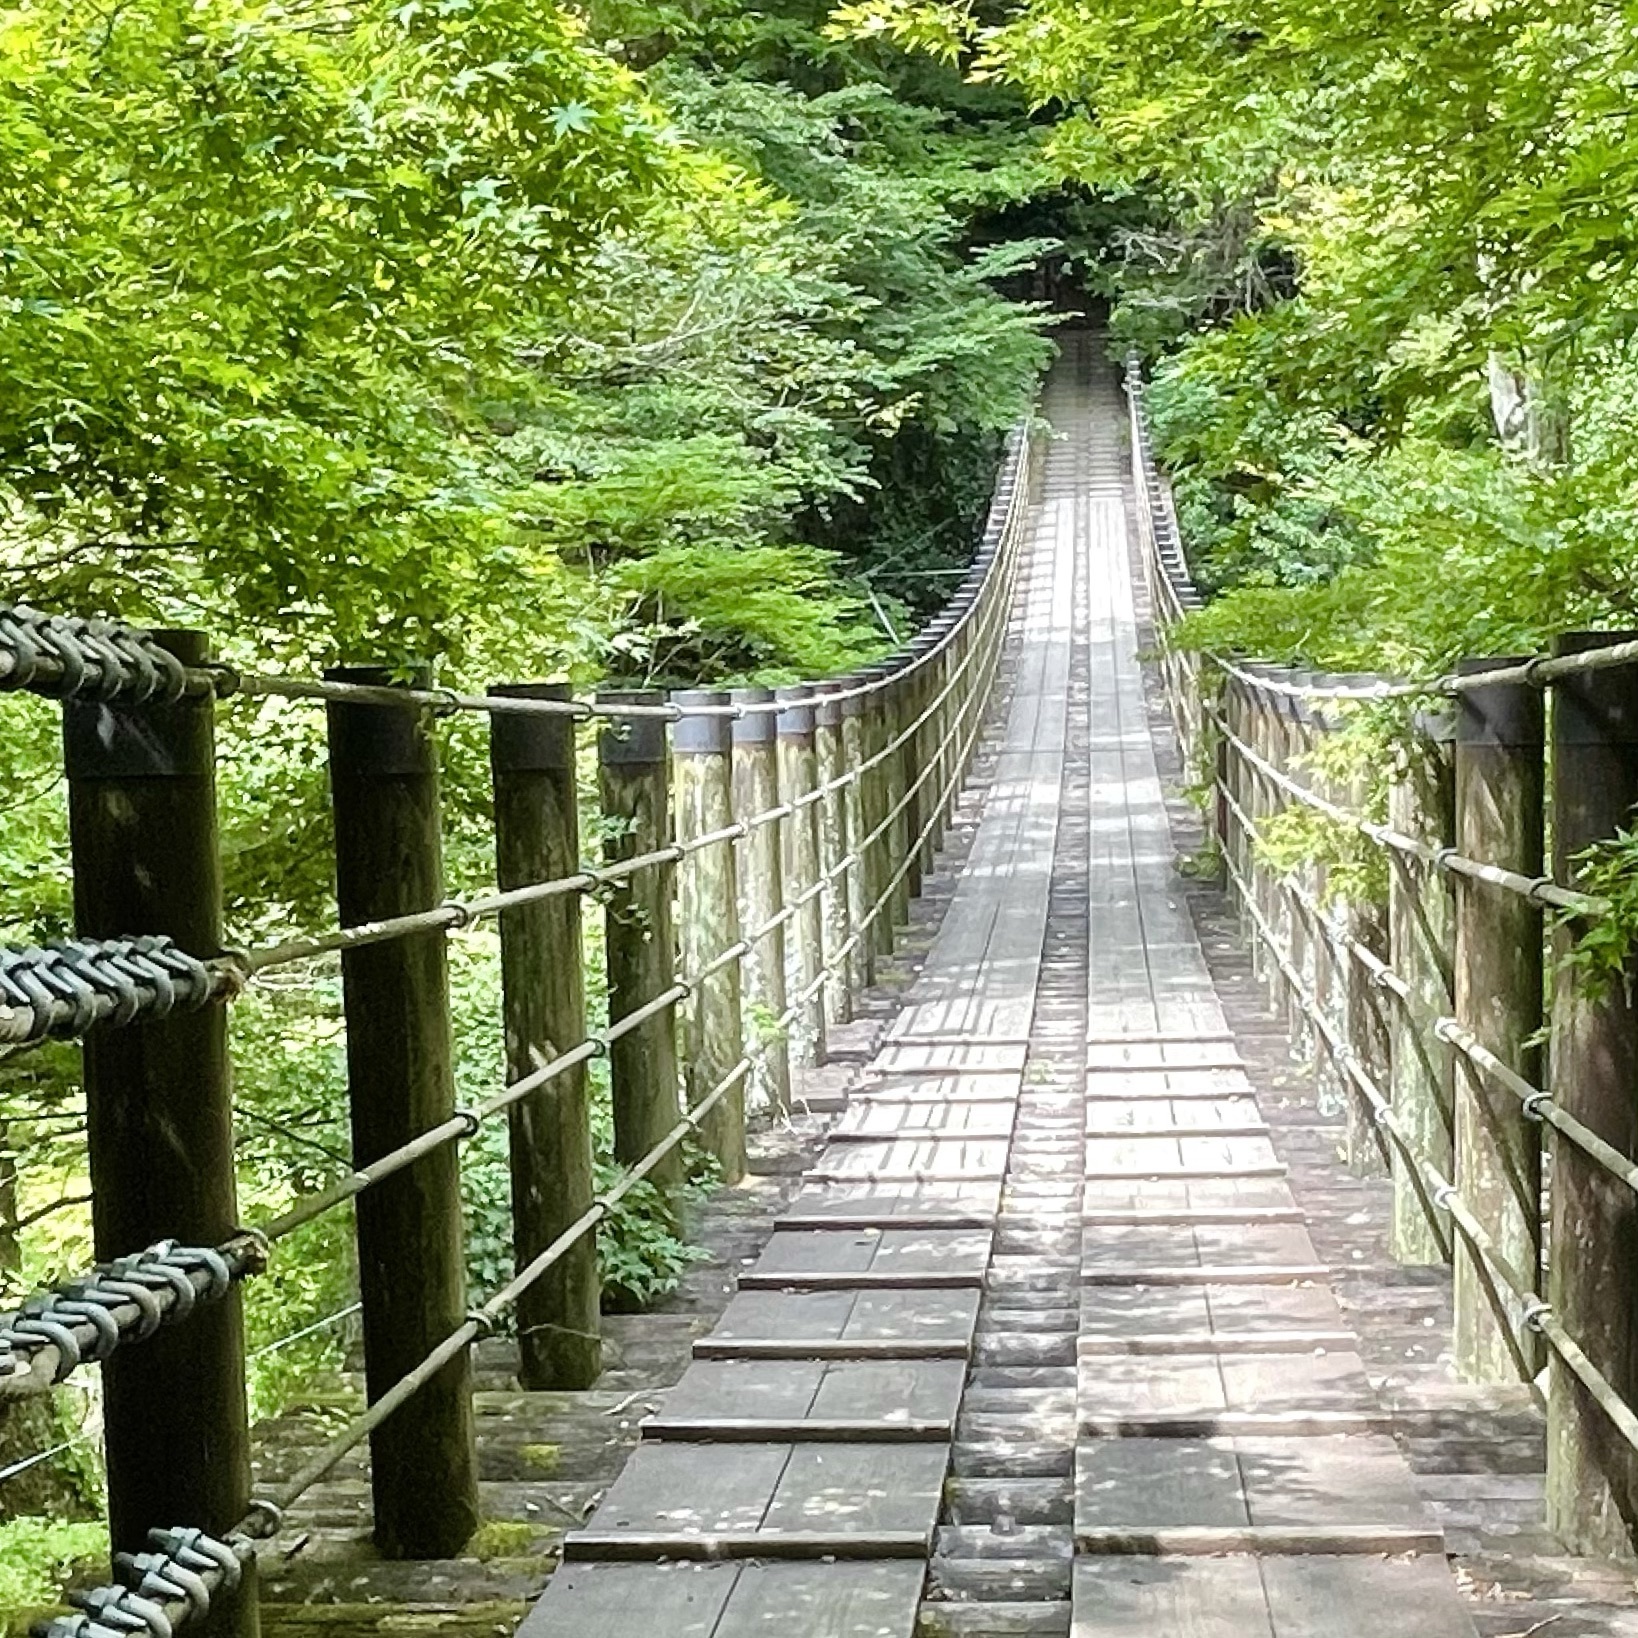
(729, 1600)
(1221, 1274)
(864, 1348)
(879, 1279)
(1310, 1483)
(1130, 1597)
(813, 1430)
(667, 1489)
(970, 1201)
(599, 1601)
(883, 1392)
(884, 1254)
(873, 1117)
(1264, 1540)
(877, 1600)
(1191, 1245)
(912, 1158)
(875, 1488)
(1158, 1056)
(908, 1057)
(1319, 1597)
(1216, 1342)
(828, 1547)
(1126, 1485)
(1116, 1217)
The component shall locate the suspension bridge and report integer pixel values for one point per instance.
(1147, 1239)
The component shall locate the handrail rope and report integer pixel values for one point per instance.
(1538, 889)
(456, 914)
(197, 1562)
(67, 1349)
(1495, 1270)
(269, 1511)
(65, 657)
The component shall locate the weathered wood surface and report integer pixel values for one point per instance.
(1229, 1444)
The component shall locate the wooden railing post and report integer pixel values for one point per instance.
(834, 842)
(1307, 947)
(142, 826)
(875, 731)
(1421, 922)
(762, 895)
(639, 936)
(805, 949)
(895, 715)
(708, 914)
(537, 839)
(1500, 795)
(1266, 802)
(857, 795)
(933, 751)
(913, 695)
(1593, 1266)
(400, 1075)
(961, 696)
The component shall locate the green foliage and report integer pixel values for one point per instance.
(36, 1557)
(1599, 949)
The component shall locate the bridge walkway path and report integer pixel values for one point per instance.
(1192, 1390)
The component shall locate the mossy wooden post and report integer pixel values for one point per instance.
(876, 732)
(638, 930)
(762, 895)
(862, 963)
(965, 677)
(831, 756)
(1421, 935)
(895, 713)
(401, 1081)
(142, 828)
(912, 707)
(1266, 802)
(1593, 1266)
(1500, 792)
(805, 948)
(934, 751)
(708, 915)
(537, 839)
(1369, 1008)
(1301, 728)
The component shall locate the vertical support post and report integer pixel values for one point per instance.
(798, 779)
(1593, 1267)
(896, 849)
(1308, 948)
(537, 839)
(708, 910)
(1500, 795)
(954, 721)
(142, 827)
(1368, 1019)
(762, 895)
(855, 744)
(930, 807)
(833, 845)
(401, 1081)
(1421, 932)
(638, 932)
(914, 694)
(877, 730)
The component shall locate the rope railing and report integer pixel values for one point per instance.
(1480, 919)
(175, 1585)
(888, 752)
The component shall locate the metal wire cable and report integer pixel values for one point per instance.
(1540, 890)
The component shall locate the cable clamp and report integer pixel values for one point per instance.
(1442, 855)
(1538, 887)
(470, 1121)
(1443, 1195)
(1532, 671)
(485, 1323)
(1444, 1030)
(449, 703)
(264, 1519)
(459, 915)
(1535, 1104)
(1536, 1314)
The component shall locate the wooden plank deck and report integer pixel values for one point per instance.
(1232, 1477)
